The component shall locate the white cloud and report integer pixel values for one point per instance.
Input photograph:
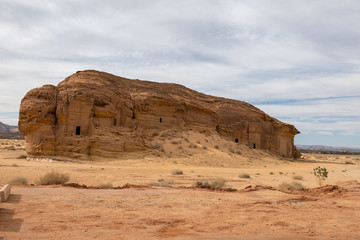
(257, 51)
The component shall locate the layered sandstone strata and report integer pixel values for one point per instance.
(94, 113)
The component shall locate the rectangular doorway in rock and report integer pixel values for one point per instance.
(114, 121)
(77, 132)
(254, 145)
(160, 120)
(236, 140)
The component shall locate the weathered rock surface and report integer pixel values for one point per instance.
(94, 113)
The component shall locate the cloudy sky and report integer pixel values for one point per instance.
(299, 61)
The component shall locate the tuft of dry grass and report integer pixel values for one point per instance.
(105, 186)
(176, 172)
(53, 178)
(217, 183)
(297, 177)
(244, 175)
(19, 181)
(291, 186)
(162, 183)
(156, 145)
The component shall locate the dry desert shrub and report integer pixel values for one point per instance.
(291, 186)
(217, 183)
(244, 175)
(155, 134)
(52, 178)
(164, 134)
(216, 146)
(15, 165)
(176, 172)
(192, 145)
(105, 186)
(156, 145)
(204, 147)
(297, 177)
(162, 183)
(18, 181)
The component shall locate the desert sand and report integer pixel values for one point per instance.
(160, 205)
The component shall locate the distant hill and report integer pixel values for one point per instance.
(7, 128)
(9, 132)
(328, 149)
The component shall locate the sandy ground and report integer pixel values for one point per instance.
(179, 211)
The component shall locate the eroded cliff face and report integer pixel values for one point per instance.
(94, 113)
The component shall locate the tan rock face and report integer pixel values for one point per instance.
(94, 113)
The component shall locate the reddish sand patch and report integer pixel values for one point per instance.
(153, 213)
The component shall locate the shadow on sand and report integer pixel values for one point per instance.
(7, 222)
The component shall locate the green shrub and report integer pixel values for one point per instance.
(52, 178)
(321, 175)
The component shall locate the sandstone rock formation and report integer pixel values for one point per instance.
(94, 113)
